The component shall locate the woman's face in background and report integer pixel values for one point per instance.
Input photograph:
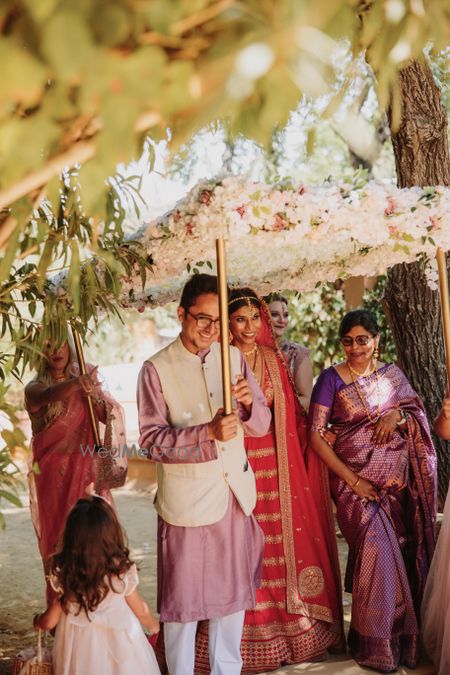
(57, 359)
(280, 317)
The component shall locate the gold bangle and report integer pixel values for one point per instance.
(355, 483)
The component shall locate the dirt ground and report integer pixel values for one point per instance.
(22, 590)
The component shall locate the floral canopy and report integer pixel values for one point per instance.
(283, 237)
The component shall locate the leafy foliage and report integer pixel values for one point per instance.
(59, 242)
(12, 438)
(88, 80)
(64, 244)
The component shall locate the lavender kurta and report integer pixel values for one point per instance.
(212, 570)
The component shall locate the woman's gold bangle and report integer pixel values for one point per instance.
(356, 482)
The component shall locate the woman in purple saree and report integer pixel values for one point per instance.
(382, 478)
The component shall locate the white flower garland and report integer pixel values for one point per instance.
(290, 237)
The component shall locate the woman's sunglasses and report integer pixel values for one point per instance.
(361, 340)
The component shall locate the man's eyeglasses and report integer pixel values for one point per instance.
(361, 340)
(203, 322)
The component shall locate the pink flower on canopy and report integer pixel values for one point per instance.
(435, 222)
(206, 196)
(393, 230)
(278, 223)
(390, 208)
(241, 210)
(189, 228)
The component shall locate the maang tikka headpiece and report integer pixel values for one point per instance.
(246, 298)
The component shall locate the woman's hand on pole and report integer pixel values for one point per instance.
(89, 382)
(242, 392)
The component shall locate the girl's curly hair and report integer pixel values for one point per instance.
(92, 552)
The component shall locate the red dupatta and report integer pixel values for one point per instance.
(313, 584)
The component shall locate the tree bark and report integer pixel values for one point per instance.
(422, 158)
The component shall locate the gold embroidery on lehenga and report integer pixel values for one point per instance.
(318, 612)
(261, 452)
(291, 628)
(273, 494)
(266, 473)
(273, 538)
(311, 581)
(270, 604)
(273, 583)
(274, 561)
(267, 517)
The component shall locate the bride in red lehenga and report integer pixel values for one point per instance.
(298, 613)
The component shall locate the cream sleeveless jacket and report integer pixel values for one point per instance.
(197, 494)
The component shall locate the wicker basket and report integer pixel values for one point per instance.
(34, 660)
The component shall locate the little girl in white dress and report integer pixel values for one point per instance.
(99, 610)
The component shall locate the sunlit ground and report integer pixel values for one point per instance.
(22, 588)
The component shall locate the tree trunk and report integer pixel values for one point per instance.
(421, 158)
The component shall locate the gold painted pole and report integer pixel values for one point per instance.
(82, 364)
(224, 328)
(445, 306)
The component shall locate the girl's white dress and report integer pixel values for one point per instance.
(436, 601)
(112, 642)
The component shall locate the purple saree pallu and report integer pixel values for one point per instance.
(391, 543)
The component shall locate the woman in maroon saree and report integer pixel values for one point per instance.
(382, 476)
(65, 462)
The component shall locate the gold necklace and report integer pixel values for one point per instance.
(365, 405)
(250, 351)
(256, 365)
(358, 374)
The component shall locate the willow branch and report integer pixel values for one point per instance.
(79, 153)
(189, 22)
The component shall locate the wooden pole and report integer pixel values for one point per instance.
(224, 327)
(445, 306)
(82, 364)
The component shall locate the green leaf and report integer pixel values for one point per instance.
(74, 275)
(11, 497)
(112, 24)
(24, 144)
(67, 43)
(44, 262)
(23, 74)
(40, 11)
(9, 256)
